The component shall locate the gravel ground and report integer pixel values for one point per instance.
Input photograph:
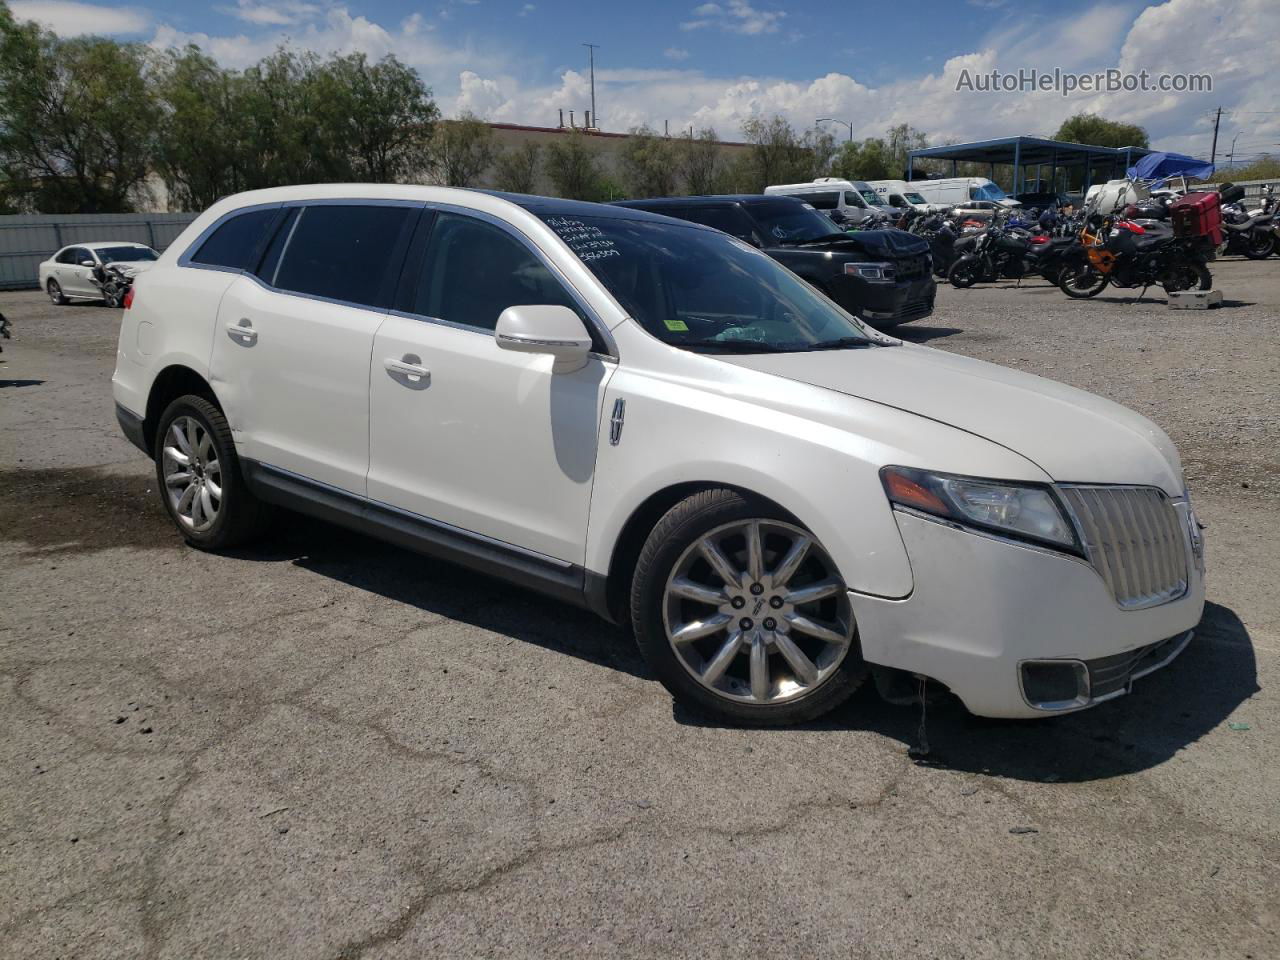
(325, 747)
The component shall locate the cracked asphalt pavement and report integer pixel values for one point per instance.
(324, 747)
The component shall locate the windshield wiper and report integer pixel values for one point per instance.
(737, 346)
(843, 343)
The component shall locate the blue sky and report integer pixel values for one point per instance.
(717, 63)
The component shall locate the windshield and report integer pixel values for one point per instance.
(786, 221)
(915, 198)
(125, 254)
(988, 191)
(705, 291)
(872, 197)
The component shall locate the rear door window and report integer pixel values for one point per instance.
(236, 240)
(347, 252)
(473, 271)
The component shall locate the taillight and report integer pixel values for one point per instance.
(128, 298)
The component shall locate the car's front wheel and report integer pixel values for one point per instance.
(741, 611)
(54, 289)
(199, 477)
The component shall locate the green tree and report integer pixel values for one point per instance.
(1099, 131)
(201, 141)
(516, 169)
(77, 121)
(647, 163)
(378, 118)
(863, 160)
(697, 162)
(574, 168)
(899, 141)
(779, 155)
(462, 150)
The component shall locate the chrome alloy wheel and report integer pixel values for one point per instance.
(756, 612)
(192, 474)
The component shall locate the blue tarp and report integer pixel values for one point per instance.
(1156, 166)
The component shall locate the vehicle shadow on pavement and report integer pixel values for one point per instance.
(915, 333)
(437, 587)
(1166, 712)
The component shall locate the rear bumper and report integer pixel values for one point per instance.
(132, 428)
(983, 609)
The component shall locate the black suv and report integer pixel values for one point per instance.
(882, 276)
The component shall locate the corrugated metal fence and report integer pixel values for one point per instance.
(26, 240)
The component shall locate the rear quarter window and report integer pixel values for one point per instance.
(236, 240)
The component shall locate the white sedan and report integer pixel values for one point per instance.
(69, 273)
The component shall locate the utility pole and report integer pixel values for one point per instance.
(591, 59)
(1213, 154)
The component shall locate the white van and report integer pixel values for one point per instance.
(958, 191)
(900, 195)
(853, 200)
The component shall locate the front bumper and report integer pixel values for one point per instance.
(983, 606)
(884, 304)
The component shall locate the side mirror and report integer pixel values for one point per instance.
(87, 263)
(545, 328)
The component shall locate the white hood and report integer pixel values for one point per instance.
(1073, 436)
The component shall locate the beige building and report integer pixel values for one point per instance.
(608, 145)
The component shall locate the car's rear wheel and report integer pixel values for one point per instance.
(199, 477)
(54, 289)
(741, 611)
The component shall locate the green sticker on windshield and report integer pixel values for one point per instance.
(676, 326)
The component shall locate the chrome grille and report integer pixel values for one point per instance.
(1133, 537)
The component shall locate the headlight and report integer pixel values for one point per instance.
(870, 271)
(1017, 510)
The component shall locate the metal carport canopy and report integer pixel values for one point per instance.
(1021, 152)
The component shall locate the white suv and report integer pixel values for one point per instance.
(657, 421)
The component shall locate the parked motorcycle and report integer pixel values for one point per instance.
(4, 330)
(995, 253)
(1118, 253)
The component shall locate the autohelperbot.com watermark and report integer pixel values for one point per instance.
(1065, 83)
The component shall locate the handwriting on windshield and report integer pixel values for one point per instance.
(588, 242)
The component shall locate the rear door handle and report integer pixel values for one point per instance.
(243, 331)
(409, 367)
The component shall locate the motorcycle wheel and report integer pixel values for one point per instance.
(1187, 276)
(1261, 245)
(1081, 283)
(965, 273)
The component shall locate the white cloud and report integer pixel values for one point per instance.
(676, 53)
(274, 14)
(736, 16)
(527, 9)
(71, 19)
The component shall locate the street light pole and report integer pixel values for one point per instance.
(847, 123)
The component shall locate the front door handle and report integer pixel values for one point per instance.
(410, 367)
(243, 331)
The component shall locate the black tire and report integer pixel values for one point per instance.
(112, 297)
(965, 273)
(1081, 283)
(241, 516)
(1194, 276)
(54, 289)
(683, 525)
(1261, 245)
